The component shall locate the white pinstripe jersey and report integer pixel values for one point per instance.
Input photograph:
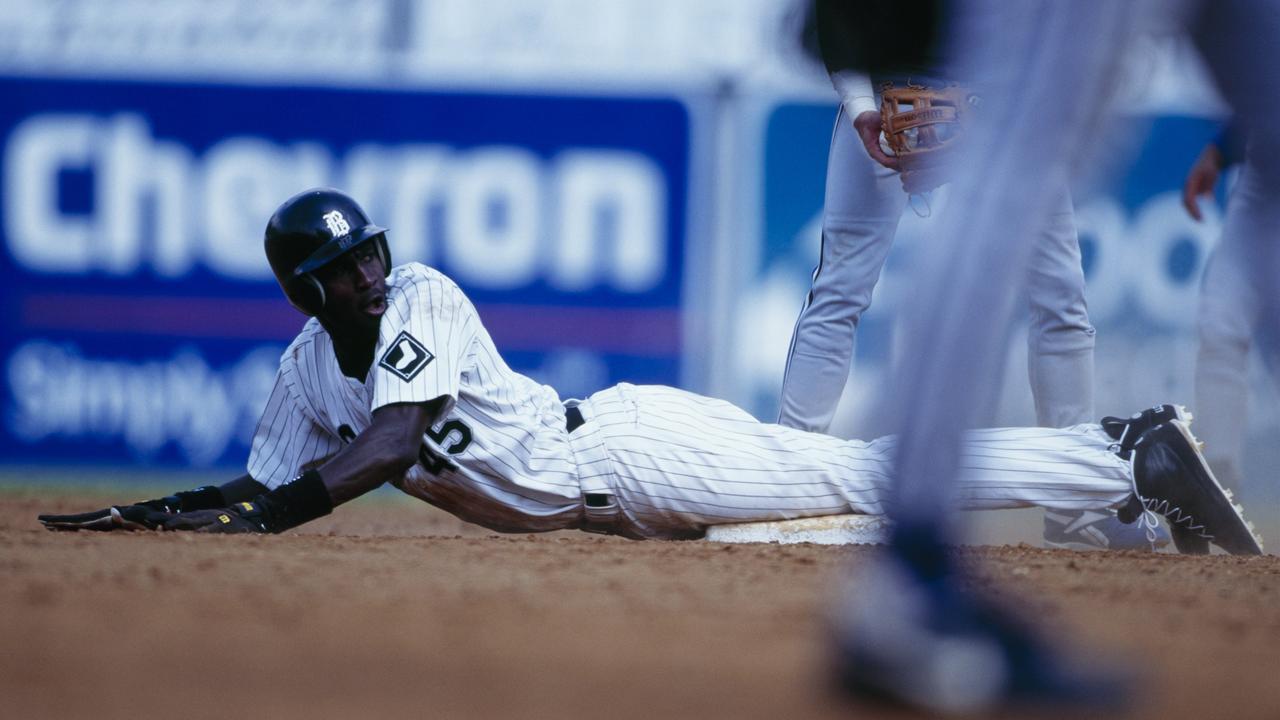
(500, 458)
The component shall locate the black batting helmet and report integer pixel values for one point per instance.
(310, 230)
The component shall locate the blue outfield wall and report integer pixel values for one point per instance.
(141, 322)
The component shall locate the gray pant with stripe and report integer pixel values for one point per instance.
(863, 204)
(1230, 318)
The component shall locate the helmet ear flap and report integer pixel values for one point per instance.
(307, 294)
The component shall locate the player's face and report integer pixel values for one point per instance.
(355, 289)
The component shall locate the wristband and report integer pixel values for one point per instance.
(294, 503)
(206, 497)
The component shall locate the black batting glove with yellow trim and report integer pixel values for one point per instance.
(288, 506)
(148, 515)
(238, 518)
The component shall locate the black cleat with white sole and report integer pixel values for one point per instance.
(1173, 479)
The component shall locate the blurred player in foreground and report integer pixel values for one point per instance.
(1229, 314)
(909, 630)
(866, 192)
(396, 380)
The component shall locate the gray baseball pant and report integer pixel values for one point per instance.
(863, 203)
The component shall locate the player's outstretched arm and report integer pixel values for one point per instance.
(384, 451)
(151, 514)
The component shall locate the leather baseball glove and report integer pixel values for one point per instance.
(923, 126)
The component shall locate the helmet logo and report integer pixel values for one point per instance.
(337, 224)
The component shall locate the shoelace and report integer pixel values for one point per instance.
(1118, 447)
(1119, 444)
(1148, 520)
(1174, 514)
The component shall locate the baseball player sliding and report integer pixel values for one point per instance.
(395, 379)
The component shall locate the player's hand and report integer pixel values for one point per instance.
(1201, 179)
(147, 515)
(242, 517)
(141, 516)
(868, 126)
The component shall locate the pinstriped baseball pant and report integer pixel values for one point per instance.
(676, 462)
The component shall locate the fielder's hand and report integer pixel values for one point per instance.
(868, 126)
(1201, 179)
(242, 517)
(925, 128)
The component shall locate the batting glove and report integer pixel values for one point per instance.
(288, 506)
(239, 518)
(148, 515)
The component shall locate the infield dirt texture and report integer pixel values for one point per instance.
(390, 609)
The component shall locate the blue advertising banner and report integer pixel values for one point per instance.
(140, 319)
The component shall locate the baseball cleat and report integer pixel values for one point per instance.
(1172, 478)
(1093, 530)
(931, 645)
(1126, 431)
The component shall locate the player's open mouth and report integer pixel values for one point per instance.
(375, 305)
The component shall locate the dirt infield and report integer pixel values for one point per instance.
(390, 609)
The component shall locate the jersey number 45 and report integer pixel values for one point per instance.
(436, 463)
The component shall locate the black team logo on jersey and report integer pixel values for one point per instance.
(406, 357)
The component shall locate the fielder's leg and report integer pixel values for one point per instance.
(1046, 67)
(1225, 323)
(1237, 38)
(1060, 343)
(1060, 338)
(863, 203)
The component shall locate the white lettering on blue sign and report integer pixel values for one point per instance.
(585, 218)
(60, 394)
